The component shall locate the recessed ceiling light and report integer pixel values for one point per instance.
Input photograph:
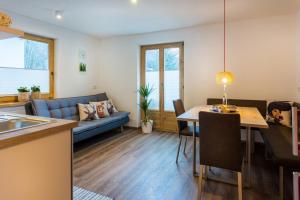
(58, 14)
(134, 2)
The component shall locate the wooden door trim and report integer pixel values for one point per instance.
(161, 48)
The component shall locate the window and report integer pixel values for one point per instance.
(26, 62)
(162, 68)
(152, 76)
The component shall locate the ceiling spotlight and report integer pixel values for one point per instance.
(58, 14)
(134, 2)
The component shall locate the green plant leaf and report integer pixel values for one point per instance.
(35, 88)
(145, 103)
(23, 89)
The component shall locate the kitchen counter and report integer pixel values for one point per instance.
(24, 135)
(36, 161)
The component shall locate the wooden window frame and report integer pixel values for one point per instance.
(161, 114)
(162, 46)
(51, 94)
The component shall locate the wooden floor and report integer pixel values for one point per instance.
(135, 166)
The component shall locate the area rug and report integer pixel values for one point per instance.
(83, 194)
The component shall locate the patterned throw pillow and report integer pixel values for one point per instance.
(101, 108)
(87, 112)
(280, 112)
(111, 107)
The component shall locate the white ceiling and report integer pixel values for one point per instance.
(104, 18)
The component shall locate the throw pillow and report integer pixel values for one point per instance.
(111, 107)
(280, 112)
(101, 108)
(86, 112)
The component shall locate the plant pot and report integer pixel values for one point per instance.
(23, 96)
(35, 95)
(147, 127)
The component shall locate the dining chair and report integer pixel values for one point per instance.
(184, 130)
(220, 145)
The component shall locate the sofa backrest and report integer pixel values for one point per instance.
(261, 105)
(63, 108)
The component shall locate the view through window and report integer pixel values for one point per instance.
(171, 76)
(162, 69)
(24, 62)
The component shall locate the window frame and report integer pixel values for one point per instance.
(164, 120)
(51, 94)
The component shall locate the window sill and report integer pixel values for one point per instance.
(12, 104)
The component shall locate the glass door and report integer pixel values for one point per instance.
(162, 69)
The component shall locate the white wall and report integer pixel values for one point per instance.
(68, 80)
(261, 54)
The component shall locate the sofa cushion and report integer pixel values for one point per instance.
(63, 108)
(89, 125)
(280, 112)
(101, 109)
(111, 107)
(278, 140)
(87, 112)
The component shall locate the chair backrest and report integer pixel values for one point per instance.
(298, 106)
(220, 142)
(179, 109)
(295, 130)
(261, 105)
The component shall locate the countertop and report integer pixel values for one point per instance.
(28, 134)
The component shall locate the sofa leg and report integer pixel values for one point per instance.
(122, 129)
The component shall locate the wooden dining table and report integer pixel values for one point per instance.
(250, 118)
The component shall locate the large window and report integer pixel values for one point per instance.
(25, 62)
(162, 69)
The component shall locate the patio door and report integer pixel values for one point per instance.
(162, 69)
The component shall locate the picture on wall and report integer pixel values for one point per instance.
(82, 61)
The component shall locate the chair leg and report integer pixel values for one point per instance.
(240, 185)
(281, 182)
(206, 172)
(200, 181)
(178, 149)
(184, 145)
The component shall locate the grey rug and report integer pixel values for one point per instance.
(83, 194)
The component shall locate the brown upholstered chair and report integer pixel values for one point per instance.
(184, 130)
(220, 145)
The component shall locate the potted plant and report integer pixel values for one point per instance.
(23, 94)
(147, 123)
(35, 92)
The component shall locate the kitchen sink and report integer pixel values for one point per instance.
(10, 123)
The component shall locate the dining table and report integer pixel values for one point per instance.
(250, 118)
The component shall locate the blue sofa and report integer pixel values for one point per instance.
(66, 108)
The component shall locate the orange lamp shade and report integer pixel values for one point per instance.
(224, 78)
